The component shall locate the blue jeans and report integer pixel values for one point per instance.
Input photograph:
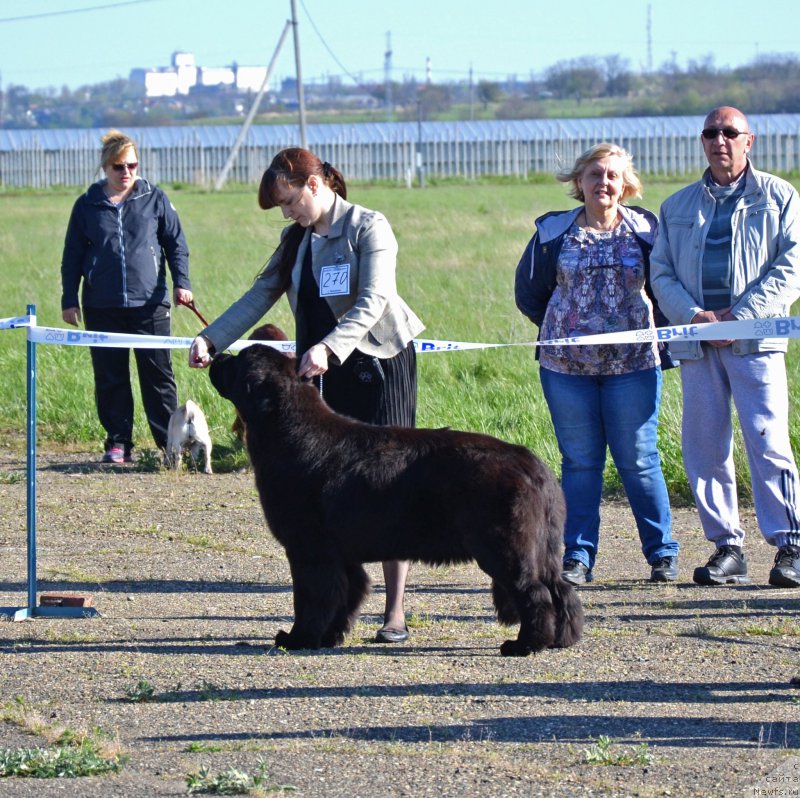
(620, 412)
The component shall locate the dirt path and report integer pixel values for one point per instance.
(192, 588)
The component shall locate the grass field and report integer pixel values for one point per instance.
(459, 245)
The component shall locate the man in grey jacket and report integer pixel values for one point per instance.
(728, 248)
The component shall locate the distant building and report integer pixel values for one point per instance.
(184, 75)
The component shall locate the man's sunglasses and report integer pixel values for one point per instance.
(132, 167)
(710, 133)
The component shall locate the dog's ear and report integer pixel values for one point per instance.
(262, 402)
(255, 398)
(247, 380)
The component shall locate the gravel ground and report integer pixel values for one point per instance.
(191, 590)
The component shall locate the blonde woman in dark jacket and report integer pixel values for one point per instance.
(122, 236)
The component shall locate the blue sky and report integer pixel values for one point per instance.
(54, 43)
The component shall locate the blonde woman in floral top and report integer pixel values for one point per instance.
(585, 272)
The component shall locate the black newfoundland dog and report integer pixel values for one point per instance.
(337, 493)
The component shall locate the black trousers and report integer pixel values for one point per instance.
(375, 390)
(112, 379)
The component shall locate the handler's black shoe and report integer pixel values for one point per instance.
(388, 635)
(786, 571)
(664, 570)
(727, 566)
(575, 572)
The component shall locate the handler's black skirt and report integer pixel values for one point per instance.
(375, 390)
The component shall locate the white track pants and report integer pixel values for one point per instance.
(759, 389)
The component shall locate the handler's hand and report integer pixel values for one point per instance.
(71, 316)
(710, 316)
(183, 296)
(199, 356)
(314, 362)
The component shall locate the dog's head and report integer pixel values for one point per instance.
(254, 379)
(268, 332)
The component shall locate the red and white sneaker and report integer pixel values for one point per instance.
(114, 454)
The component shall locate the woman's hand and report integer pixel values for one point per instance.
(314, 362)
(199, 354)
(183, 296)
(71, 316)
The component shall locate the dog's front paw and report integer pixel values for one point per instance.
(513, 648)
(332, 639)
(292, 642)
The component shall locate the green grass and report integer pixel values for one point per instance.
(602, 753)
(234, 782)
(56, 763)
(71, 753)
(202, 747)
(459, 245)
(141, 692)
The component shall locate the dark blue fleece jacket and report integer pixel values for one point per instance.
(121, 252)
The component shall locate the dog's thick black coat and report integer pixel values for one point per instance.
(337, 493)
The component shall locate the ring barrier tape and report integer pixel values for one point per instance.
(15, 321)
(780, 327)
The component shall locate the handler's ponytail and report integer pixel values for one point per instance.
(334, 179)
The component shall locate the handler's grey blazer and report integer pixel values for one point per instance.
(371, 315)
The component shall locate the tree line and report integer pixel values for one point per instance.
(586, 86)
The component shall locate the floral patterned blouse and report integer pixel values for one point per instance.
(600, 289)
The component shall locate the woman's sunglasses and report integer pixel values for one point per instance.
(121, 167)
(711, 133)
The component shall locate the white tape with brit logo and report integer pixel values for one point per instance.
(784, 327)
(14, 322)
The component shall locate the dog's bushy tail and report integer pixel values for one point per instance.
(569, 613)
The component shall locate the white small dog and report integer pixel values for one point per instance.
(188, 430)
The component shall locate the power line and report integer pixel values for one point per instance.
(346, 72)
(325, 45)
(75, 10)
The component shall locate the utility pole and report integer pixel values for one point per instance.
(223, 175)
(420, 163)
(471, 94)
(649, 38)
(301, 101)
(387, 78)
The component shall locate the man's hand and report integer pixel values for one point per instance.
(711, 316)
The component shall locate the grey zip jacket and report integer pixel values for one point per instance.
(765, 249)
(360, 254)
